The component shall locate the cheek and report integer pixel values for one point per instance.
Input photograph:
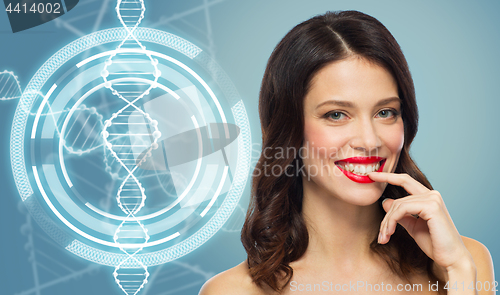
(394, 138)
(322, 141)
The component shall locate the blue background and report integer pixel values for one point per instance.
(451, 46)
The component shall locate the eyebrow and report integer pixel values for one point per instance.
(348, 104)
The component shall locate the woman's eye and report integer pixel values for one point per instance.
(386, 113)
(336, 115)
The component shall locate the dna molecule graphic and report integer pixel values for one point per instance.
(130, 157)
(129, 148)
(9, 86)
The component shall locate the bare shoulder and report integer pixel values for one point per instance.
(482, 259)
(236, 281)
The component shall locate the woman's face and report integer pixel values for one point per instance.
(352, 126)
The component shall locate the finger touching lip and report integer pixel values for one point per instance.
(405, 181)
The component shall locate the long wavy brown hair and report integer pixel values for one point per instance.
(274, 233)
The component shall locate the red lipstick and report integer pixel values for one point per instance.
(360, 160)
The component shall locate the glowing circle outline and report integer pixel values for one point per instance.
(90, 41)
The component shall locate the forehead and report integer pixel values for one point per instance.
(353, 79)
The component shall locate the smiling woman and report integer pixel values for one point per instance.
(350, 205)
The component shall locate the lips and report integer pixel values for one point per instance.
(357, 168)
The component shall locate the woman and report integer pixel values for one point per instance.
(337, 204)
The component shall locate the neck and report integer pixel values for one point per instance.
(339, 232)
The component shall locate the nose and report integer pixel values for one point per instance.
(365, 137)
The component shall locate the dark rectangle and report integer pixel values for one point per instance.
(70, 4)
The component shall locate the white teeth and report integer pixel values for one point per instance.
(361, 169)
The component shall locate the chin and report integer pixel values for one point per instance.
(362, 198)
(348, 191)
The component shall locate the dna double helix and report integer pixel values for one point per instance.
(130, 73)
(9, 86)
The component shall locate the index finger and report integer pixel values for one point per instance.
(403, 180)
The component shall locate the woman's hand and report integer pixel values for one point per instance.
(424, 215)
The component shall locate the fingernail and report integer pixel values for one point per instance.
(385, 199)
